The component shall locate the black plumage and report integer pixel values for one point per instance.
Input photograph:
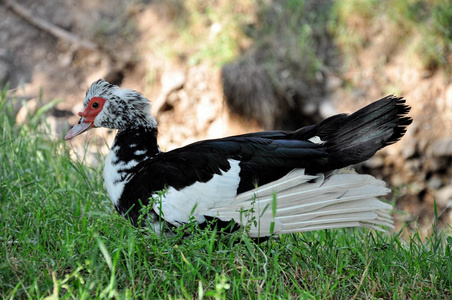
(267, 156)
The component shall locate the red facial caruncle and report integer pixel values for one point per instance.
(91, 111)
(86, 122)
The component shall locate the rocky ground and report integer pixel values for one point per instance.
(188, 98)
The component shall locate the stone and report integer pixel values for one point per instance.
(172, 80)
(375, 162)
(443, 196)
(206, 112)
(435, 182)
(333, 83)
(449, 96)
(409, 148)
(442, 147)
(327, 109)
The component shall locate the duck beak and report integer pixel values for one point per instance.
(79, 128)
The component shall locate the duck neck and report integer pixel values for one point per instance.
(130, 148)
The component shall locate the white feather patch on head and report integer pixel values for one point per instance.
(123, 109)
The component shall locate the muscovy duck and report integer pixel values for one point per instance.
(273, 182)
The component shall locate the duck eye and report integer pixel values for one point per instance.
(95, 105)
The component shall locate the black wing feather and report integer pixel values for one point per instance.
(269, 155)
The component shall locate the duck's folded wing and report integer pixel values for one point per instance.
(211, 173)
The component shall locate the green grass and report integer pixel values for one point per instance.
(61, 238)
(423, 25)
(203, 31)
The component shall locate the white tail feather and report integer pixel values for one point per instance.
(298, 202)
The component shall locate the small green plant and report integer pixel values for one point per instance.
(222, 285)
(146, 220)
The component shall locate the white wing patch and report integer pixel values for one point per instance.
(179, 207)
(316, 140)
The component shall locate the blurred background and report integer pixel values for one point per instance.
(217, 68)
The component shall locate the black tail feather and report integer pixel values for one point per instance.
(385, 115)
(350, 139)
